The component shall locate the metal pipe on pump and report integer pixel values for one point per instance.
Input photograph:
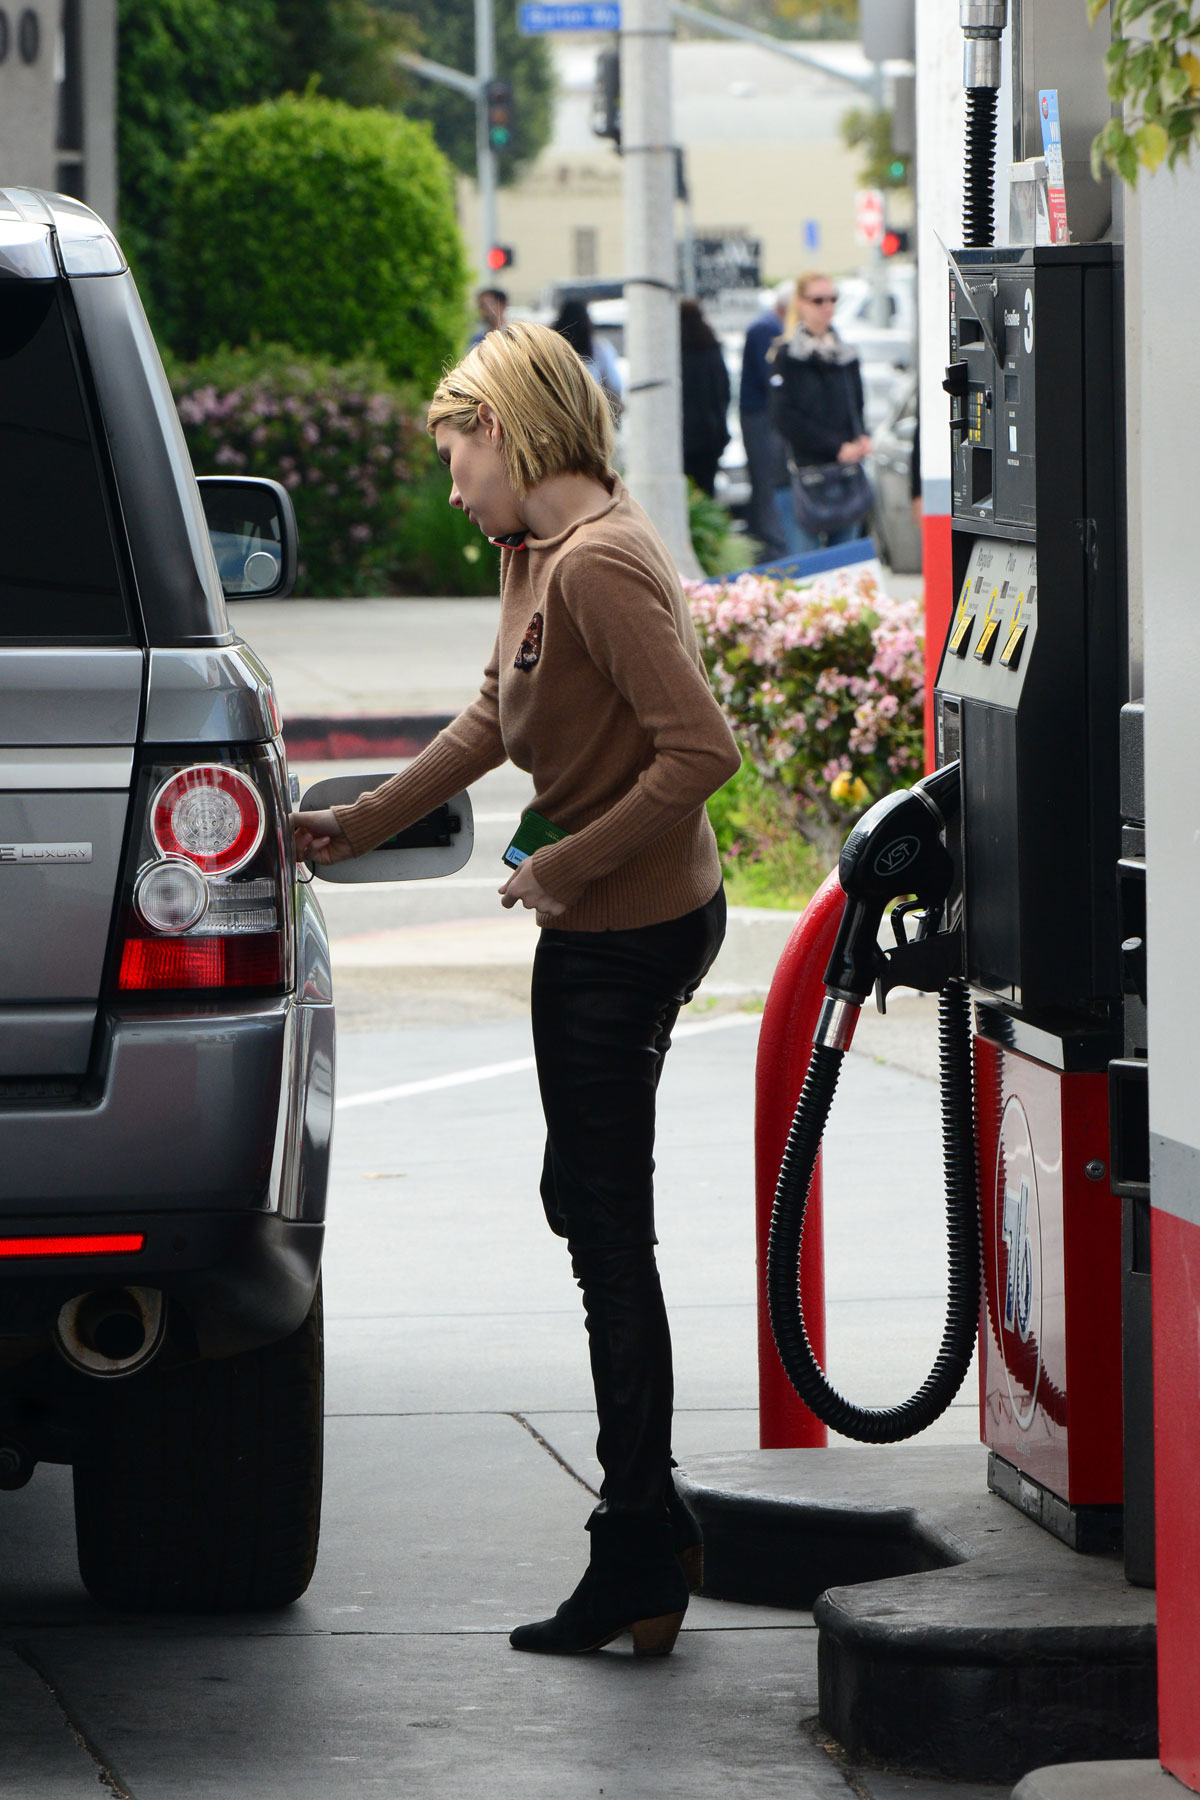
(983, 23)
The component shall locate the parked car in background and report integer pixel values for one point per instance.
(896, 533)
(879, 315)
(166, 1016)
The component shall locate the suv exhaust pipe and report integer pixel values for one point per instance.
(112, 1331)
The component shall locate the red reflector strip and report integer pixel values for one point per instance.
(255, 960)
(111, 1244)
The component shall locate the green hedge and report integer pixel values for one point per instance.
(331, 228)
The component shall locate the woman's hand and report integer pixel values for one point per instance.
(855, 450)
(319, 838)
(524, 887)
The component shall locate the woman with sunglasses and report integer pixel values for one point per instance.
(596, 688)
(816, 396)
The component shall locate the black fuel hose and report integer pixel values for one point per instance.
(887, 1424)
(979, 173)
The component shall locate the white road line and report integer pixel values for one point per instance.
(488, 1071)
(458, 1079)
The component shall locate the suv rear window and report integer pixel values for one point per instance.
(58, 570)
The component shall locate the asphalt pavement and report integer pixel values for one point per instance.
(460, 1456)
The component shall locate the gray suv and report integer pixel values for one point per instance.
(166, 1017)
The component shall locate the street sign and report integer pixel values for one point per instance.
(868, 216)
(590, 15)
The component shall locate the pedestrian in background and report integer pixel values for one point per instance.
(766, 452)
(705, 397)
(574, 322)
(817, 404)
(597, 688)
(492, 307)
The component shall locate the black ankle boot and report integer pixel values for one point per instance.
(632, 1583)
(686, 1536)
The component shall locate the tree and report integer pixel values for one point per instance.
(870, 130)
(446, 34)
(349, 45)
(178, 61)
(181, 61)
(326, 227)
(790, 18)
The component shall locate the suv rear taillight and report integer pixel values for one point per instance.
(205, 902)
(209, 814)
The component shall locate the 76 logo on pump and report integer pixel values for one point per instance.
(1018, 1285)
(1017, 1297)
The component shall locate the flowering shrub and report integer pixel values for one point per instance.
(823, 686)
(340, 438)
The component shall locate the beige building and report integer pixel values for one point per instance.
(765, 159)
(58, 99)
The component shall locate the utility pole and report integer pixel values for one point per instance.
(485, 156)
(653, 409)
(475, 87)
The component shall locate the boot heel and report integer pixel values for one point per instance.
(656, 1637)
(691, 1561)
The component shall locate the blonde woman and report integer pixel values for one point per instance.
(596, 688)
(816, 405)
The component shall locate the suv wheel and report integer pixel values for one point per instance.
(203, 1492)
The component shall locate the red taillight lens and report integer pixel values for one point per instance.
(210, 814)
(114, 1243)
(202, 962)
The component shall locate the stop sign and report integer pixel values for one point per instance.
(868, 216)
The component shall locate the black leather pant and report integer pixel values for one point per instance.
(603, 1006)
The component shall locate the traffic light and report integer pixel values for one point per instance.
(897, 169)
(893, 242)
(498, 98)
(606, 96)
(500, 256)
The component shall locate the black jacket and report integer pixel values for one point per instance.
(705, 401)
(816, 402)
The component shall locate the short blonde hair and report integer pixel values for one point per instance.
(554, 416)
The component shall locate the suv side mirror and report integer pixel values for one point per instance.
(252, 528)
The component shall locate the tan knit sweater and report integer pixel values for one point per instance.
(596, 688)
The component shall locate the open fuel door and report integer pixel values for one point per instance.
(438, 844)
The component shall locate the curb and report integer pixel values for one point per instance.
(313, 738)
(955, 1638)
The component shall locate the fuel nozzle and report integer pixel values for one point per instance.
(895, 849)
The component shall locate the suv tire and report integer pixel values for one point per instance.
(202, 1492)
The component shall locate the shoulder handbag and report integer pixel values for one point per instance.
(831, 497)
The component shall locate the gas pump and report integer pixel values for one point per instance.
(1009, 853)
